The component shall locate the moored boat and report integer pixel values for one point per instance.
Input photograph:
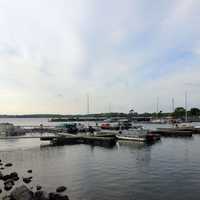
(138, 135)
(131, 137)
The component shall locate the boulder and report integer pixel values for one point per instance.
(8, 185)
(6, 177)
(40, 195)
(54, 196)
(14, 176)
(30, 171)
(9, 181)
(38, 187)
(6, 198)
(8, 164)
(22, 193)
(1, 176)
(27, 180)
(61, 189)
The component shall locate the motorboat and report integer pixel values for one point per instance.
(139, 135)
(184, 125)
(116, 125)
(131, 137)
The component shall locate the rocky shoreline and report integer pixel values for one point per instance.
(17, 188)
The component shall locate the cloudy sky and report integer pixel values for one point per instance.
(122, 53)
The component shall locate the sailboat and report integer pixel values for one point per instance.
(186, 124)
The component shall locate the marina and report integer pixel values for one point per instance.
(89, 171)
(59, 146)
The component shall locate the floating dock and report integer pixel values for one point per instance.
(191, 129)
(173, 132)
(101, 139)
(92, 140)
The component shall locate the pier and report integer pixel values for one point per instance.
(173, 132)
(98, 139)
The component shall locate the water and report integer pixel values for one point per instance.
(168, 169)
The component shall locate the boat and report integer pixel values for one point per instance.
(138, 135)
(185, 125)
(68, 127)
(131, 137)
(116, 125)
(158, 121)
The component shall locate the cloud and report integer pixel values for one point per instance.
(123, 53)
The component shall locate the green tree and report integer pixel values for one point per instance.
(179, 112)
(160, 114)
(194, 111)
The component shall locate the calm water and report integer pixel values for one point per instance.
(167, 169)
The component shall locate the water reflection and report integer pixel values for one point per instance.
(129, 170)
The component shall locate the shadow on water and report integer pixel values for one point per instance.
(103, 145)
(121, 143)
(135, 144)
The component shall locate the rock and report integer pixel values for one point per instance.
(54, 196)
(38, 187)
(14, 176)
(27, 180)
(64, 197)
(22, 193)
(40, 195)
(30, 171)
(6, 198)
(6, 177)
(61, 189)
(8, 164)
(1, 176)
(2, 168)
(9, 181)
(8, 185)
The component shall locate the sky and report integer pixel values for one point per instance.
(123, 54)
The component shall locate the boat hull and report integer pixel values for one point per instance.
(145, 138)
(139, 139)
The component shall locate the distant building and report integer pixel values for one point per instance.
(8, 129)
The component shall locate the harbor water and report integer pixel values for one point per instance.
(169, 169)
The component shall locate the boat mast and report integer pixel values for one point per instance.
(88, 105)
(172, 104)
(109, 107)
(157, 106)
(186, 107)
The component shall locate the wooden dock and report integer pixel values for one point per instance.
(170, 132)
(191, 129)
(100, 140)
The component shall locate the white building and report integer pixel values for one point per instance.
(8, 129)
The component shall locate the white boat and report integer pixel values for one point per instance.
(137, 135)
(185, 125)
(131, 137)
